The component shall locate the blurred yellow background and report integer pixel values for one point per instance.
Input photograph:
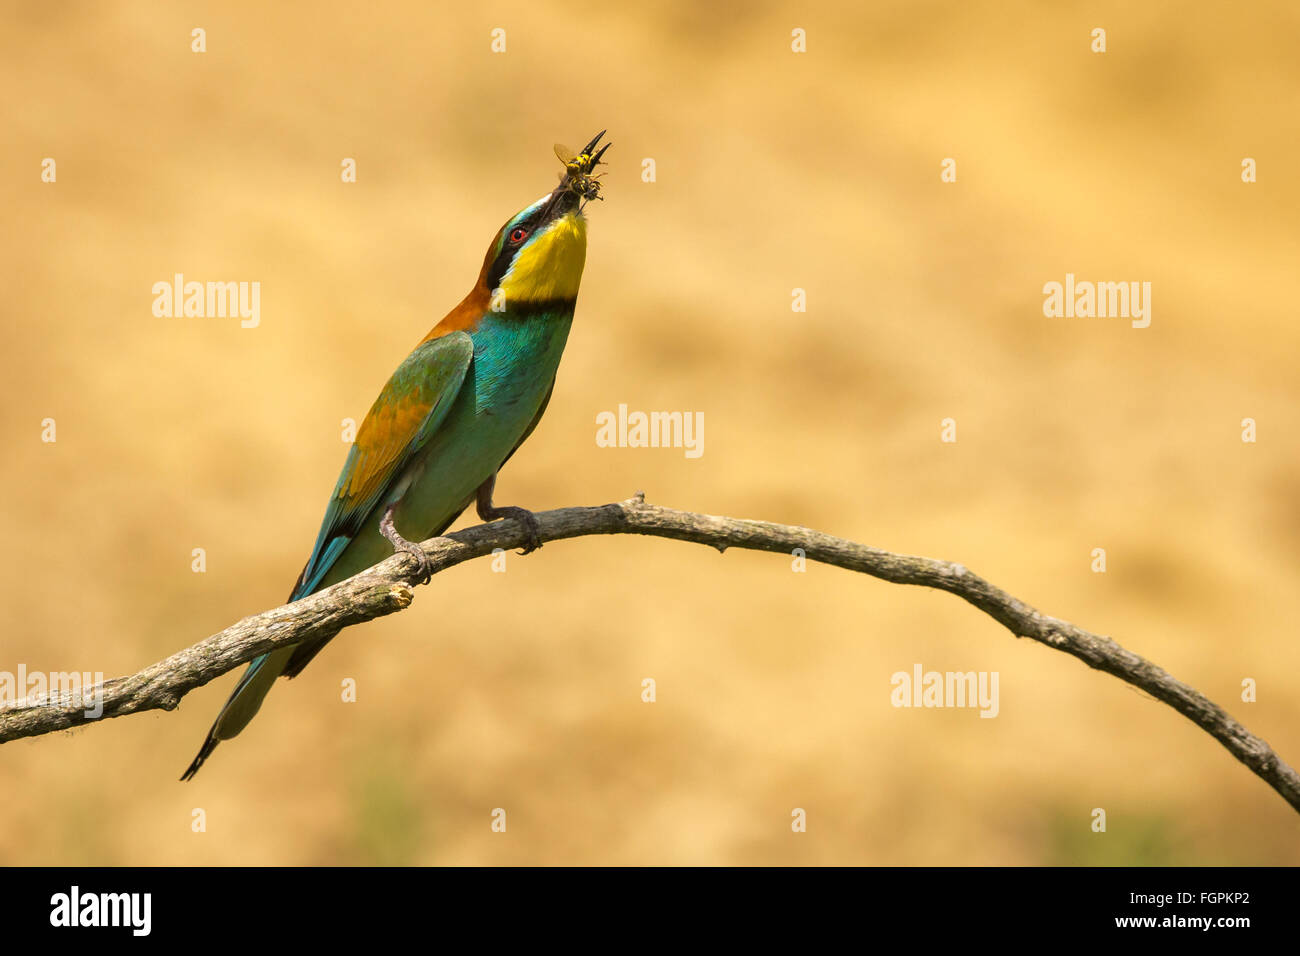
(775, 170)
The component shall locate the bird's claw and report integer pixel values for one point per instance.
(423, 566)
(529, 521)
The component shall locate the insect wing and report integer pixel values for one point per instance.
(564, 154)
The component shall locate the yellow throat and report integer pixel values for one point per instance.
(550, 266)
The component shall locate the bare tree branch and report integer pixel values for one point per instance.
(387, 587)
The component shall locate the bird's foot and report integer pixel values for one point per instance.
(422, 565)
(524, 517)
(490, 512)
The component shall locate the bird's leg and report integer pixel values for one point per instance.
(489, 512)
(401, 544)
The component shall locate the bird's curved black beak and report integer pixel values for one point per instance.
(589, 159)
(577, 186)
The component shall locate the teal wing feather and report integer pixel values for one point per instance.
(406, 415)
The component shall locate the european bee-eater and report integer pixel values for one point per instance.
(451, 415)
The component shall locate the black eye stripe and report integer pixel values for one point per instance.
(507, 254)
(527, 224)
(508, 248)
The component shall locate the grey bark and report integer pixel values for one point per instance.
(388, 587)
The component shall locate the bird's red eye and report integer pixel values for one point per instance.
(519, 234)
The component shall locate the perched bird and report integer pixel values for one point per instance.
(451, 415)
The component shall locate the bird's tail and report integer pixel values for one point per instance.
(243, 703)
